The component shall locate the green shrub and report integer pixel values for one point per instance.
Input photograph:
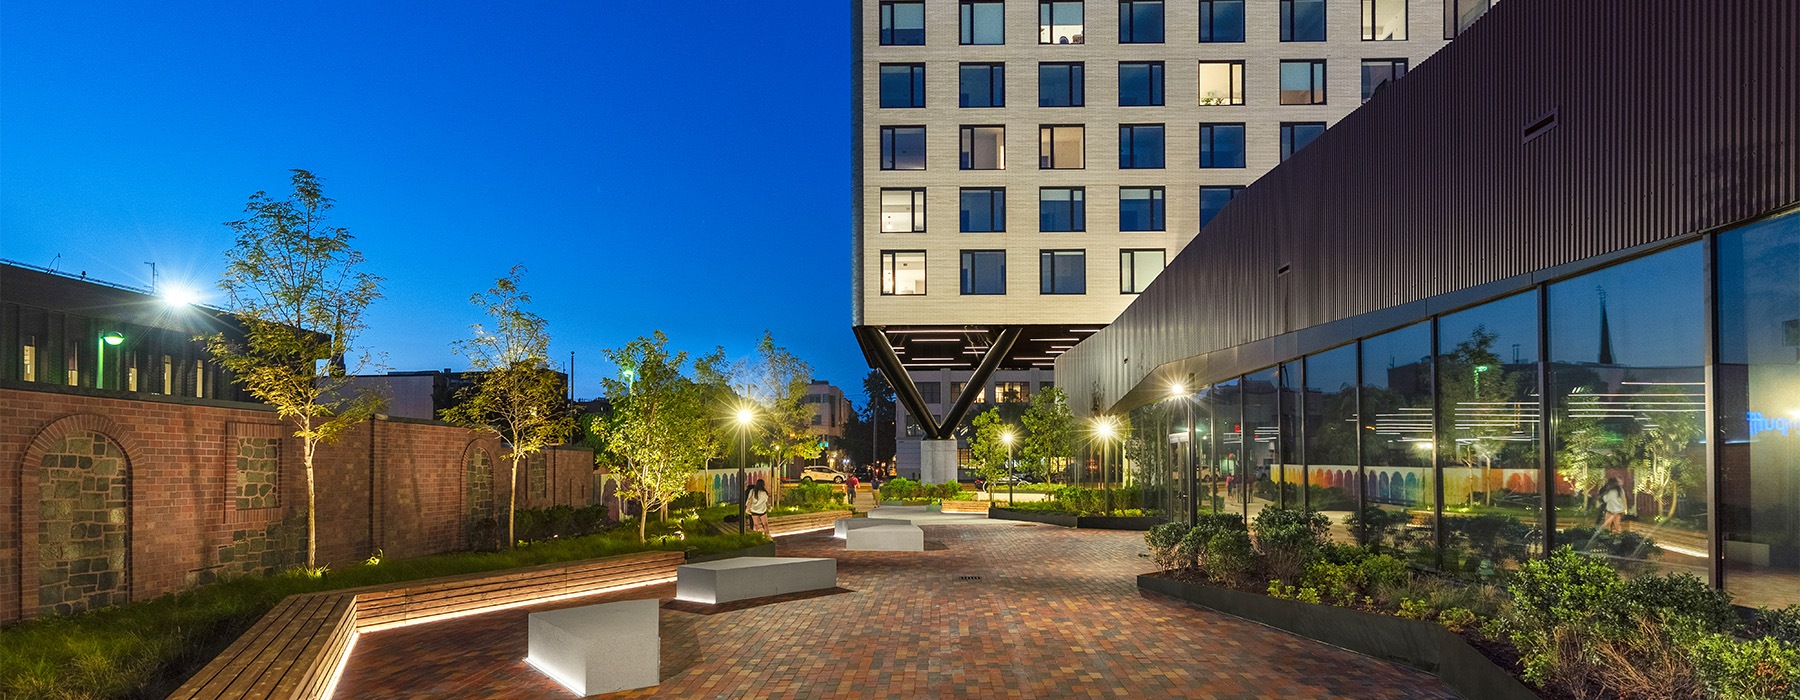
(1781, 623)
(1229, 555)
(1757, 669)
(1088, 501)
(1495, 539)
(1411, 609)
(539, 524)
(811, 497)
(1625, 545)
(1337, 584)
(691, 499)
(1190, 552)
(1381, 572)
(1289, 539)
(1556, 601)
(1162, 540)
(898, 488)
(1681, 595)
(1382, 528)
(1457, 619)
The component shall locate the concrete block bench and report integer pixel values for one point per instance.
(601, 648)
(847, 524)
(726, 580)
(889, 538)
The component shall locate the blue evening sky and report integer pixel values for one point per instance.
(681, 166)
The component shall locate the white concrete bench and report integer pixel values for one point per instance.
(726, 580)
(847, 524)
(889, 538)
(601, 648)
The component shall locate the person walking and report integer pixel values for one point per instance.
(757, 503)
(850, 491)
(1612, 506)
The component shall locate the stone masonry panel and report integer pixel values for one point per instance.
(258, 473)
(82, 525)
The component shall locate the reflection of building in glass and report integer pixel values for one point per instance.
(1485, 365)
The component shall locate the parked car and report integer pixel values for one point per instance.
(1013, 479)
(811, 474)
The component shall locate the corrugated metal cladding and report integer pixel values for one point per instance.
(1672, 117)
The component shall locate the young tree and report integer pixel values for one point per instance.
(1665, 467)
(1050, 437)
(881, 416)
(296, 284)
(987, 444)
(514, 395)
(776, 381)
(662, 426)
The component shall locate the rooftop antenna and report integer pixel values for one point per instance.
(53, 262)
(152, 278)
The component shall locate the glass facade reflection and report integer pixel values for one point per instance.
(1574, 413)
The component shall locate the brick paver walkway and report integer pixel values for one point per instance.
(1055, 614)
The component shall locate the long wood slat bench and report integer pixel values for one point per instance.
(966, 506)
(295, 651)
(781, 525)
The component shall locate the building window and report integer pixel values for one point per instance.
(72, 363)
(1459, 14)
(903, 210)
(1140, 21)
(1062, 209)
(1062, 147)
(1137, 268)
(984, 272)
(902, 273)
(131, 373)
(1140, 146)
(983, 85)
(1140, 209)
(1302, 20)
(168, 375)
(984, 148)
(983, 209)
(1014, 392)
(983, 22)
(1378, 72)
(902, 148)
(1222, 145)
(199, 379)
(902, 23)
(902, 85)
(1141, 84)
(1303, 82)
(1213, 199)
(930, 391)
(28, 361)
(1221, 21)
(1221, 83)
(1059, 21)
(1296, 135)
(1384, 20)
(956, 389)
(1061, 85)
(1062, 272)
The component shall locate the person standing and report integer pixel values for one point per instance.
(850, 491)
(757, 503)
(1612, 505)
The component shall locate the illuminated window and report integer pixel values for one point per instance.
(1060, 21)
(984, 148)
(983, 22)
(1459, 14)
(1062, 209)
(903, 210)
(1140, 21)
(1303, 82)
(1140, 146)
(903, 273)
(1221, 21)
(1384, 20)
(1221, 145)
(168, 375)
(1061, 85)
(1012, 392)
(1302, 20)
(1141, 208)
(1221, 83)
(72, 363)
(956, 389)
(199, 379)
(902, 85)
(1141, 84)
(902, 148)
(1137, 268)
(1062, 147)
(902, 23)
(131, 374)
(982, 85)
(1296, 135)
(28, 356)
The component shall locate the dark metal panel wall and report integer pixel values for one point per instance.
(1672, 118)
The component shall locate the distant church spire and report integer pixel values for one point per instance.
(1606, 351)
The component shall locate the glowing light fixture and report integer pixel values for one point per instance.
(112, 338)
(178, 296)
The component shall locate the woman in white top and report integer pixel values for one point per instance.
(1612, 503)
(757, 502)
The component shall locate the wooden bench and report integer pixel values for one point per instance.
(297, 650)
(783, 525)
(966, 506)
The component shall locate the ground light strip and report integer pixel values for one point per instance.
(508, 606)
(555, 677)
(337, 672)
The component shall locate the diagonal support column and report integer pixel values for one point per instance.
(997, 352)
(875, 344)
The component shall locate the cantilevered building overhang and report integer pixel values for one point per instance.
(1550, 139)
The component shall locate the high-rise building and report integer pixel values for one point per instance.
(1024, 168)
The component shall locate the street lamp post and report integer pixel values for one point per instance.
(744, 417)
(1012, 477)
(1105, 428)
(1189, 481)
(107, 338)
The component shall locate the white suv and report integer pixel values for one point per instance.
(822, 474)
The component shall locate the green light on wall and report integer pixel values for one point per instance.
(113, 338)
(107, 338)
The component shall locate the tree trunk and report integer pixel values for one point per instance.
(312, 520)
(512, 502)
(643, 519)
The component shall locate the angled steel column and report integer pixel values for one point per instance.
(876, 346)
(997, 352)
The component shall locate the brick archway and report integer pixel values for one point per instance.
(75, 524)
(479, 521)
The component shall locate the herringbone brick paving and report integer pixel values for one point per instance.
(1055, 614)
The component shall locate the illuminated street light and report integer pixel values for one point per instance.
(745, 417)
(107, 338)
(1012, 476)
(178, 296)
(1191, 480)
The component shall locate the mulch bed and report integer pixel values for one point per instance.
(689, 606)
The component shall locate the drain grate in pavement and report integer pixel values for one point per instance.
(968, 578)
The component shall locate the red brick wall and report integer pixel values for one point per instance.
(392, 484)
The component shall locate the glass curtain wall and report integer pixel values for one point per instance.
(1291, 472)
(1261, 429)
(1758, 393)
(1627, 355)
(1333, 479)
(1150, 483)
(1488, 443)
(1206, 452)
(1228, 445)
(1399, 486)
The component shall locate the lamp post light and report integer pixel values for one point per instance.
(1190, 480)
(1105, 427)
(744, 418)
(106, 338)
(1012, 477)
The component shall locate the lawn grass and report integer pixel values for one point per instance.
(145, 649)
